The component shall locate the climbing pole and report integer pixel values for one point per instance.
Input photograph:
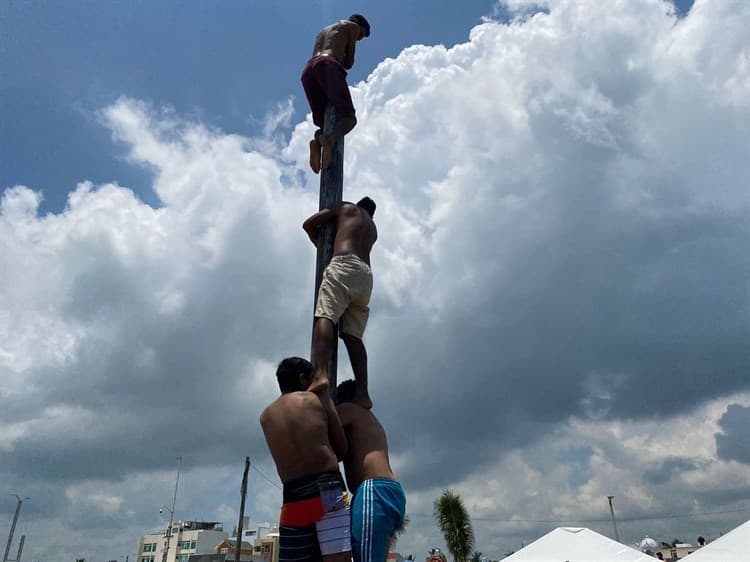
(331, 192)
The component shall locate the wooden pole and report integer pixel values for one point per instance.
(243, 491)
(331, 192)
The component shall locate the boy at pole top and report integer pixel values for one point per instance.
(324, 82)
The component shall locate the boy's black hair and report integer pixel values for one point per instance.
(368, 205)
(288, 372)
(345, 391)
(362, 22)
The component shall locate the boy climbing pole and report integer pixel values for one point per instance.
(345, 291)
(324, 82)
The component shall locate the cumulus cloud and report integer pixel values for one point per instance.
(733, 442)
(566, 476)
(561, 301)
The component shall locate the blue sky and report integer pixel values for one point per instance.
(224, 62)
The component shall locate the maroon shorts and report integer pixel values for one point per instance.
(324, 81)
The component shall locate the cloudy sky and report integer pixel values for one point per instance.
(562, 297)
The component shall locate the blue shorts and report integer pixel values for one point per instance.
(378, 511)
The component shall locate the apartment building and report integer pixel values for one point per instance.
(260, 543)
(185, 538)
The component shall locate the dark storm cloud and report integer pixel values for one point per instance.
(729, 496)
(595, 326)
(733, 443)
(667, 469)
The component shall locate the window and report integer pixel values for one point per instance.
(267, 548)
(192, 545)
(183, 558)
(149, 547)
(147, 559)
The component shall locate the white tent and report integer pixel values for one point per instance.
(574, 544)
(732, 547)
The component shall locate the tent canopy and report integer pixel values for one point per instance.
(576, 544)
(732, 547)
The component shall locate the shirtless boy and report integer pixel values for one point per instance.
(324, 81)
(379, 504)
(306, 440)
(346, 288)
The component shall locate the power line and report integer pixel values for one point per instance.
(266, 478)
(684, 515)
(600, 520)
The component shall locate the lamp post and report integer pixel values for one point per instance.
(168, 534)
(13, 526)
(614, 521)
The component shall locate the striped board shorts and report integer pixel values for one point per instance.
(299, 543)
(315, 518)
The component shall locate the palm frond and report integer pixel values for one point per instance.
(455, 525)
(399, 531)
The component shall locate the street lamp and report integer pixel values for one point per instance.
(13, 526)
(614, 521)
(168, 534)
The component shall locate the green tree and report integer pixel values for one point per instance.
(476, 556)
(400, 531)
(455, 524)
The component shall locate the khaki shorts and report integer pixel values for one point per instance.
(344, 294)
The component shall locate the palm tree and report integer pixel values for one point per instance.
(476, 556)
(455, 524)
(398, 532)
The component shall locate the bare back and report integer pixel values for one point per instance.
(296, 430)
(368, 445)
(338, 40)
(356, 232)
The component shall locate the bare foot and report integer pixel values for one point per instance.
(364, 401)
(315, 155)
(327, 150)
(320, 381)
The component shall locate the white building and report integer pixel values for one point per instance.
(260, 543)
(186, 538)
(251, 532)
